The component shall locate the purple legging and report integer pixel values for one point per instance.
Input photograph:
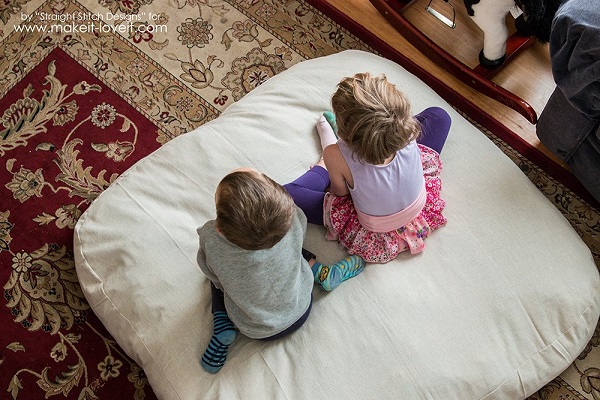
(308, 191)
(435, 125)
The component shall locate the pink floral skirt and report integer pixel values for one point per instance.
(341, 220)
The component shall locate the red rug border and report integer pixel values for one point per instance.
(540, 159)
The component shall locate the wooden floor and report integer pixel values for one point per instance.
(528, 76)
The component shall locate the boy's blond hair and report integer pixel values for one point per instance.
(373, 117)
(253, 211)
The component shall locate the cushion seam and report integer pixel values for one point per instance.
(558, 338)
(106, 298)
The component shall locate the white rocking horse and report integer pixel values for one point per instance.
(490, 17)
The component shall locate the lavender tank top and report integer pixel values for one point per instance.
(387, 189)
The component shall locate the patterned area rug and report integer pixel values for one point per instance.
(87, 90)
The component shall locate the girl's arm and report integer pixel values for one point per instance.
(339, 173)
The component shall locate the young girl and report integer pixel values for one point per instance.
(384, 187)
(260, 276)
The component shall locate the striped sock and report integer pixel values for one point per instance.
(224, 334)
(330, 276)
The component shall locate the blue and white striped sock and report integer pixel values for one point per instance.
(224, 334)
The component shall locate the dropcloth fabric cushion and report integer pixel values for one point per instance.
(503, 298)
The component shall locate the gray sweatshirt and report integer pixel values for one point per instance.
(266, 291)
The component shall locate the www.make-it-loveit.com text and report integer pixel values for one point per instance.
(89, 22)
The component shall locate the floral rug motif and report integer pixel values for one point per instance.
(66, 137)
(78, 106)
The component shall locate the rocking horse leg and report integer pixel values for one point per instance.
(490, 18)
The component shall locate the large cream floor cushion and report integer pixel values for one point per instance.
(501, 301)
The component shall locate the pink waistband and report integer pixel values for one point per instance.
(387, 223)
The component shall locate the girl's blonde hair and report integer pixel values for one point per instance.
(373, 117)
(253, 211)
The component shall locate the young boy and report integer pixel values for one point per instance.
(261, 278)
